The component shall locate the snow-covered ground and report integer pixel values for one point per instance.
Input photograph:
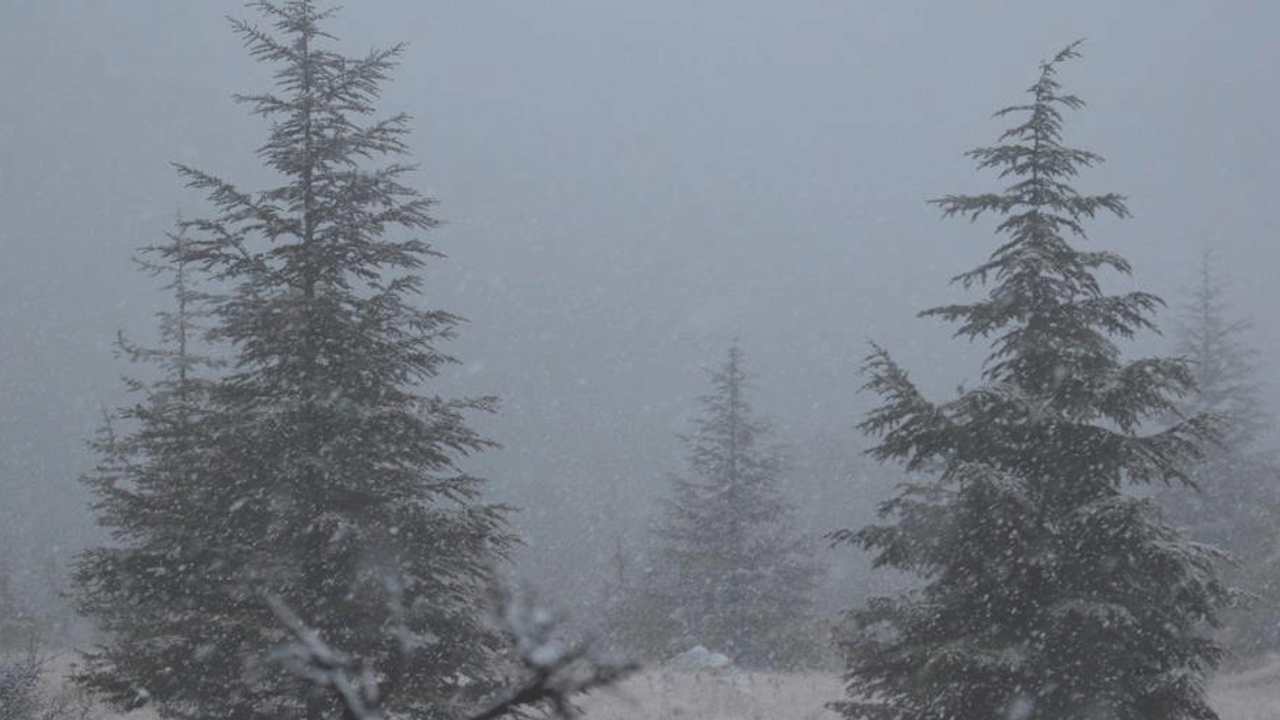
(1249, 695)
(726, 695)
(668, 694)
(663, 694)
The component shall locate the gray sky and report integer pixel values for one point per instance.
(626, 186)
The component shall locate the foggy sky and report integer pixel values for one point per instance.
(626, 186)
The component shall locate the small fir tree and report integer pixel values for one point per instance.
(1236, 505)
(731, 574)
(316, 470)
(150, 590)
(1047, 592)
(1222, 362)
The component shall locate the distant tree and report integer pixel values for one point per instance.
(30, 594)
(1223, 364)
(154, 485)
(12, 620)
(316, 468)
(1047, 592)
(730, 573)
(1237, 503)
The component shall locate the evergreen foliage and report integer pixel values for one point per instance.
(731, 573)
(1237, 503)
(1222, 362)
(155, 484)
(1047, 592)
(315, 467)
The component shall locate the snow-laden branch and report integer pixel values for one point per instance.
(555, 671)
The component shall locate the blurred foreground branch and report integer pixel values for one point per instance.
(554, 671)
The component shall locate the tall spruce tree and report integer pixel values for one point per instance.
(1236, 505)
(320, 472)
(732, 574)
(1047, 592)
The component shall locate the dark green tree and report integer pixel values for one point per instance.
(1046, 591)
(731, 573)
(1236, 505)
(318, 470)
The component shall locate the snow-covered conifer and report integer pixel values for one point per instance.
(731, 572)
(150, 590)
(1236, 505)
(1046, 591)
(319, 467)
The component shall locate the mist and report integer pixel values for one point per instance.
(625, 188)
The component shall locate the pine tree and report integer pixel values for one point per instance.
(1236, 505)
(150, 589)
(1223, 364)
(321, 474)
(1047, 591)
(731, 574)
